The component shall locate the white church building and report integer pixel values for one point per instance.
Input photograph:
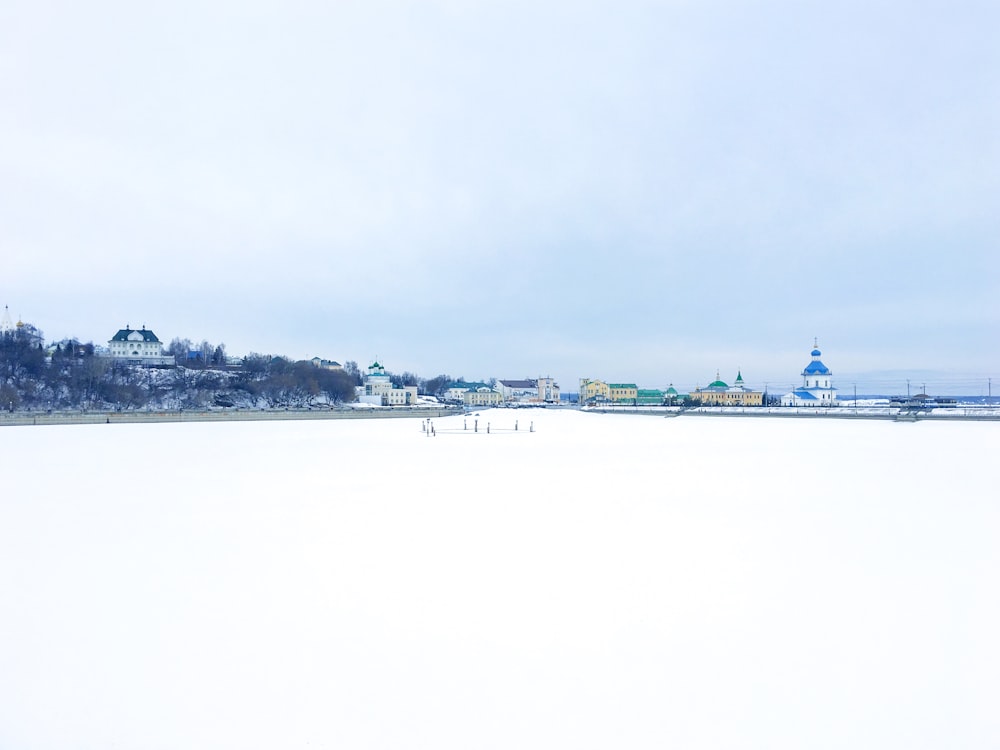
(379, 391)
(817, 385)
(6, 323)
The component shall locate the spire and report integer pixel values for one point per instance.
(6, 324)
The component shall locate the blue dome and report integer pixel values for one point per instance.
(816, 353)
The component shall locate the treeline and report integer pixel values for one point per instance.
(71, 375)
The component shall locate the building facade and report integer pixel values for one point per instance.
(481, 395)
(472, 394)
(623, 393)
(649, 397)
(536, 390)
(138, 347)
(326, 364)
(594, 391)
(378, 389)
(718, 393)
(548, 390)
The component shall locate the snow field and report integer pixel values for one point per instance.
(606, 581)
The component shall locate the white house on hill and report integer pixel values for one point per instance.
(817, 385)
(138, 347)
(326, 364)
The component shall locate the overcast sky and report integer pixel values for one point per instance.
(635, 191)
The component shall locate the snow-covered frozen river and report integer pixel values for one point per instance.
(604, 581)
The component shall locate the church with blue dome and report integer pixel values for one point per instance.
(817, 385)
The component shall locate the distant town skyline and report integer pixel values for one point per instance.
(880, 382)
(649, 193)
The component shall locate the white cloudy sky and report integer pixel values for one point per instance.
(640, 191)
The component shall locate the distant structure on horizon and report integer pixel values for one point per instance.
(138, 348)
(595, 392)
(472, 394)
(6, 323)
(817, 384)
(529, 390)
(326, 364)
(379, 391)
(718, 393)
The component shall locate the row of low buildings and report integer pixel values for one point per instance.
(527, 391)
(598, 391)
(816, 390)
(716, 393)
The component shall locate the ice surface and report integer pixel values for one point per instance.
(605, 581)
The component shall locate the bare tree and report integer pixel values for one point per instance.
(351, 368)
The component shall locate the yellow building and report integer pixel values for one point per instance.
(482, 396)
(623, 392)
(718, 393)
(593, 390)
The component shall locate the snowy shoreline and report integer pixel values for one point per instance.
(971, 413)
(227, 415)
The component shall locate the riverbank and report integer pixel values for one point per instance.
(969, 413)
(951, 414)
(218, 415)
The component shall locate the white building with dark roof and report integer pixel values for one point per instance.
(326, 364)
(817, 385)
(138, 347)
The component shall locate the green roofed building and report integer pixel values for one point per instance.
(649, 397)
(622, 393)
(717, 393)
(473, 394)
